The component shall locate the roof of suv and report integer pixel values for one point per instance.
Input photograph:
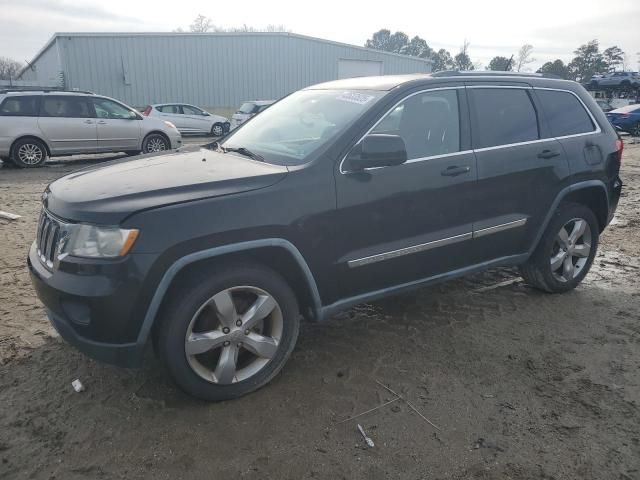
(9, 91)
(388, 82)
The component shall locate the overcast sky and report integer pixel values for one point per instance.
(493, 27)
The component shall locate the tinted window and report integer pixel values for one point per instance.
(428, 123)
(503, 116)
(565, 113)
(26, 106)
(169, 109)
(68, 107)
(110, 109)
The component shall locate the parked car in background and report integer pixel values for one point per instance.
(390, 183)
(604, 105)
(189, 119)
(35, 125)
(617, 79)
(626, 119)
(248, 110)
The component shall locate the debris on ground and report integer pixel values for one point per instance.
(367, 440)
(9, 216)
(77, 386)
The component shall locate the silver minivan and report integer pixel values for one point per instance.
(35, 125)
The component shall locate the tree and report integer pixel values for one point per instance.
(385, 40)
(557, 68)
(9, 68)
(201, 24)
(417, 47)
(442, 60)
(587, 62)
(523, 57)
(462, 61)
(499, 63)
(612, 57)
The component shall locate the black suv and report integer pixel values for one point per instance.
(338, 194)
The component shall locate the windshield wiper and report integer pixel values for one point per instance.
(243, 151)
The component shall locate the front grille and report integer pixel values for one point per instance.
(48, 238)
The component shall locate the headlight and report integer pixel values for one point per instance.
(170, 125)
(82, 240)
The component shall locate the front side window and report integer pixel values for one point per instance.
(503, 116)
(565, 113)
(429, 123)
(23, 106)
(109, 109)
(187, 110)
(289, 131)
(67, 107)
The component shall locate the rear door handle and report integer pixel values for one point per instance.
(90, 122)
(454, 171)
(548, 154)
(102, 122)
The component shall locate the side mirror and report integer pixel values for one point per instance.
(377, 150)
(206, 114)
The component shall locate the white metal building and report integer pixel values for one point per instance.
(214, 70)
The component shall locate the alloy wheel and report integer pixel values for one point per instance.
(234, 335)
(217, 131)
(30, 154)
(156, 144)
(571, 250)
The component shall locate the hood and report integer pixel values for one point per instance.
(108, 194)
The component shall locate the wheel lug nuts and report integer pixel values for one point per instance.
(239, 323)
(225, 330)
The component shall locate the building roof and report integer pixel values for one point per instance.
(56, 35)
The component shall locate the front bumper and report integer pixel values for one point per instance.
(176, 140)
(94, 307)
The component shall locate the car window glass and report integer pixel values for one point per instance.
(110, 109)
(503, 116)
(191, 110)
(247, 107)
(25, 106)
(68, 107)
(169, 109)
(428, 123)
(565, 113)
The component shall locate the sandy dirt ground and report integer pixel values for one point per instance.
(521, 385)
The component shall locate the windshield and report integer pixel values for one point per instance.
(290, 130)
(246, 107)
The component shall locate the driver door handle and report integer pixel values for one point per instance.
(102, 122)
(455, 170)
(546, 154)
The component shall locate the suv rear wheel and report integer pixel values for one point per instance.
(228, 333)
(566, 251)
(28, 153)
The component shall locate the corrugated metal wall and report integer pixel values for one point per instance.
(46, 71)
(210, 70)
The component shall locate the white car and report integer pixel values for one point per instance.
(189, 119)
(248, 110)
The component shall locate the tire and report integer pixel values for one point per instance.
(217, 130)
(28, 153)
(154, 143)
(221, 366)
(538, 271)
(635, 130)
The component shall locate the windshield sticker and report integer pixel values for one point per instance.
(353, 97)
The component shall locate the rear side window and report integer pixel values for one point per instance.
(565, 113)
(429, 123)
(24, 106)
(169, 109)
(68, 107)
(503, 116)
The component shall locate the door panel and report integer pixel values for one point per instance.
(67, 124)
(197, 122)
(404, 223)
(519, 173)
(118, 127)
(173, 114)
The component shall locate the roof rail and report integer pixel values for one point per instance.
(489, 73)
(42, 89)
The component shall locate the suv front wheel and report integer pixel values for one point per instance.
(226, 333)
(565, 252)
(28, 153)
